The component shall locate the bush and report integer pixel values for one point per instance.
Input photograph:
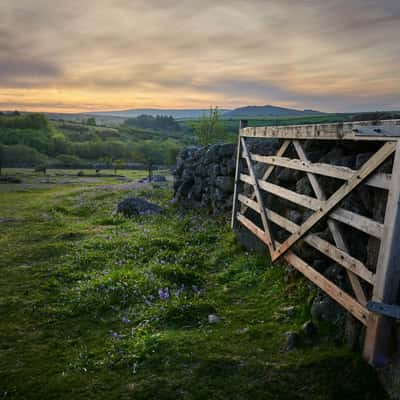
(30, 121)
(22, 156)
(68, 161)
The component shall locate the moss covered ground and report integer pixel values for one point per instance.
(95, 306)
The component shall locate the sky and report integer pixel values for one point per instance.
(78, 56)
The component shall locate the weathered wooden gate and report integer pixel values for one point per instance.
(379, 286)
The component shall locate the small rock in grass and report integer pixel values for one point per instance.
(158, 178)
(213, 319)
(292, 340)
(309, 329)
(289, 310)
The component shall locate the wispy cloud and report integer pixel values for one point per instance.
(337, 55)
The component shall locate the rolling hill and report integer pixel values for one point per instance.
(267, 111)
(241, 112)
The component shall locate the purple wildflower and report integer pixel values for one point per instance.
(126, 320)
(115, 335)
(163, 294)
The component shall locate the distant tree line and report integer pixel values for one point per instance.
(158, 123)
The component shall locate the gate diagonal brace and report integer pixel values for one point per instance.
(374, 162)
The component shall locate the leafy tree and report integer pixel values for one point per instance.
(69, 161)
(41, 167)
(1, 158)
(171, 153)
(149, 154)
(91, 121)
(118, 164)
(20, 156)
(209, 128)
(107, 161)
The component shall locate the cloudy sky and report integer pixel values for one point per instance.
(75, 55)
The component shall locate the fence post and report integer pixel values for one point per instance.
(379, 334)
(242, 124)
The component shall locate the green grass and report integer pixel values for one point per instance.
(31, 180)
(82, 316)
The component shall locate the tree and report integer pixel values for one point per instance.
(118, 164)
(42, 167)
(171, 153)
(91, 121)
(1, 158)
(209, 128)
(149, 154)
(107, 161)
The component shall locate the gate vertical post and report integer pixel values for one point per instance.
(379, 334)
(242, 124)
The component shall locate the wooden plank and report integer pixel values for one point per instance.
(377, 159)
(336, 254)
(336, 131)
(270, 242)
(378, 180)
(270, 169)
(379, 333)
(300, 199)
(333, 227)
(363, 224)
(337, 294)
(237, 172)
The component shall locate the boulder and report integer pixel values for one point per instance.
(136, 206)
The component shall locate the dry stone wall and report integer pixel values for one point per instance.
(204, 176)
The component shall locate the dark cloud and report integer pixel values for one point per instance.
(21, 72)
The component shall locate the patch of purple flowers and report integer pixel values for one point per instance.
(163, 294)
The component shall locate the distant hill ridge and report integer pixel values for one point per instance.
(241, 112)
(267, 111)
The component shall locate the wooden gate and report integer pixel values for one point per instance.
(379, 285)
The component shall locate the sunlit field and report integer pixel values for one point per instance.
(94, 305)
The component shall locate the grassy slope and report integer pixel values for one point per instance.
(82, 317)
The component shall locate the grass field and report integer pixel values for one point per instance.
(94, 306)
(31, 180)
